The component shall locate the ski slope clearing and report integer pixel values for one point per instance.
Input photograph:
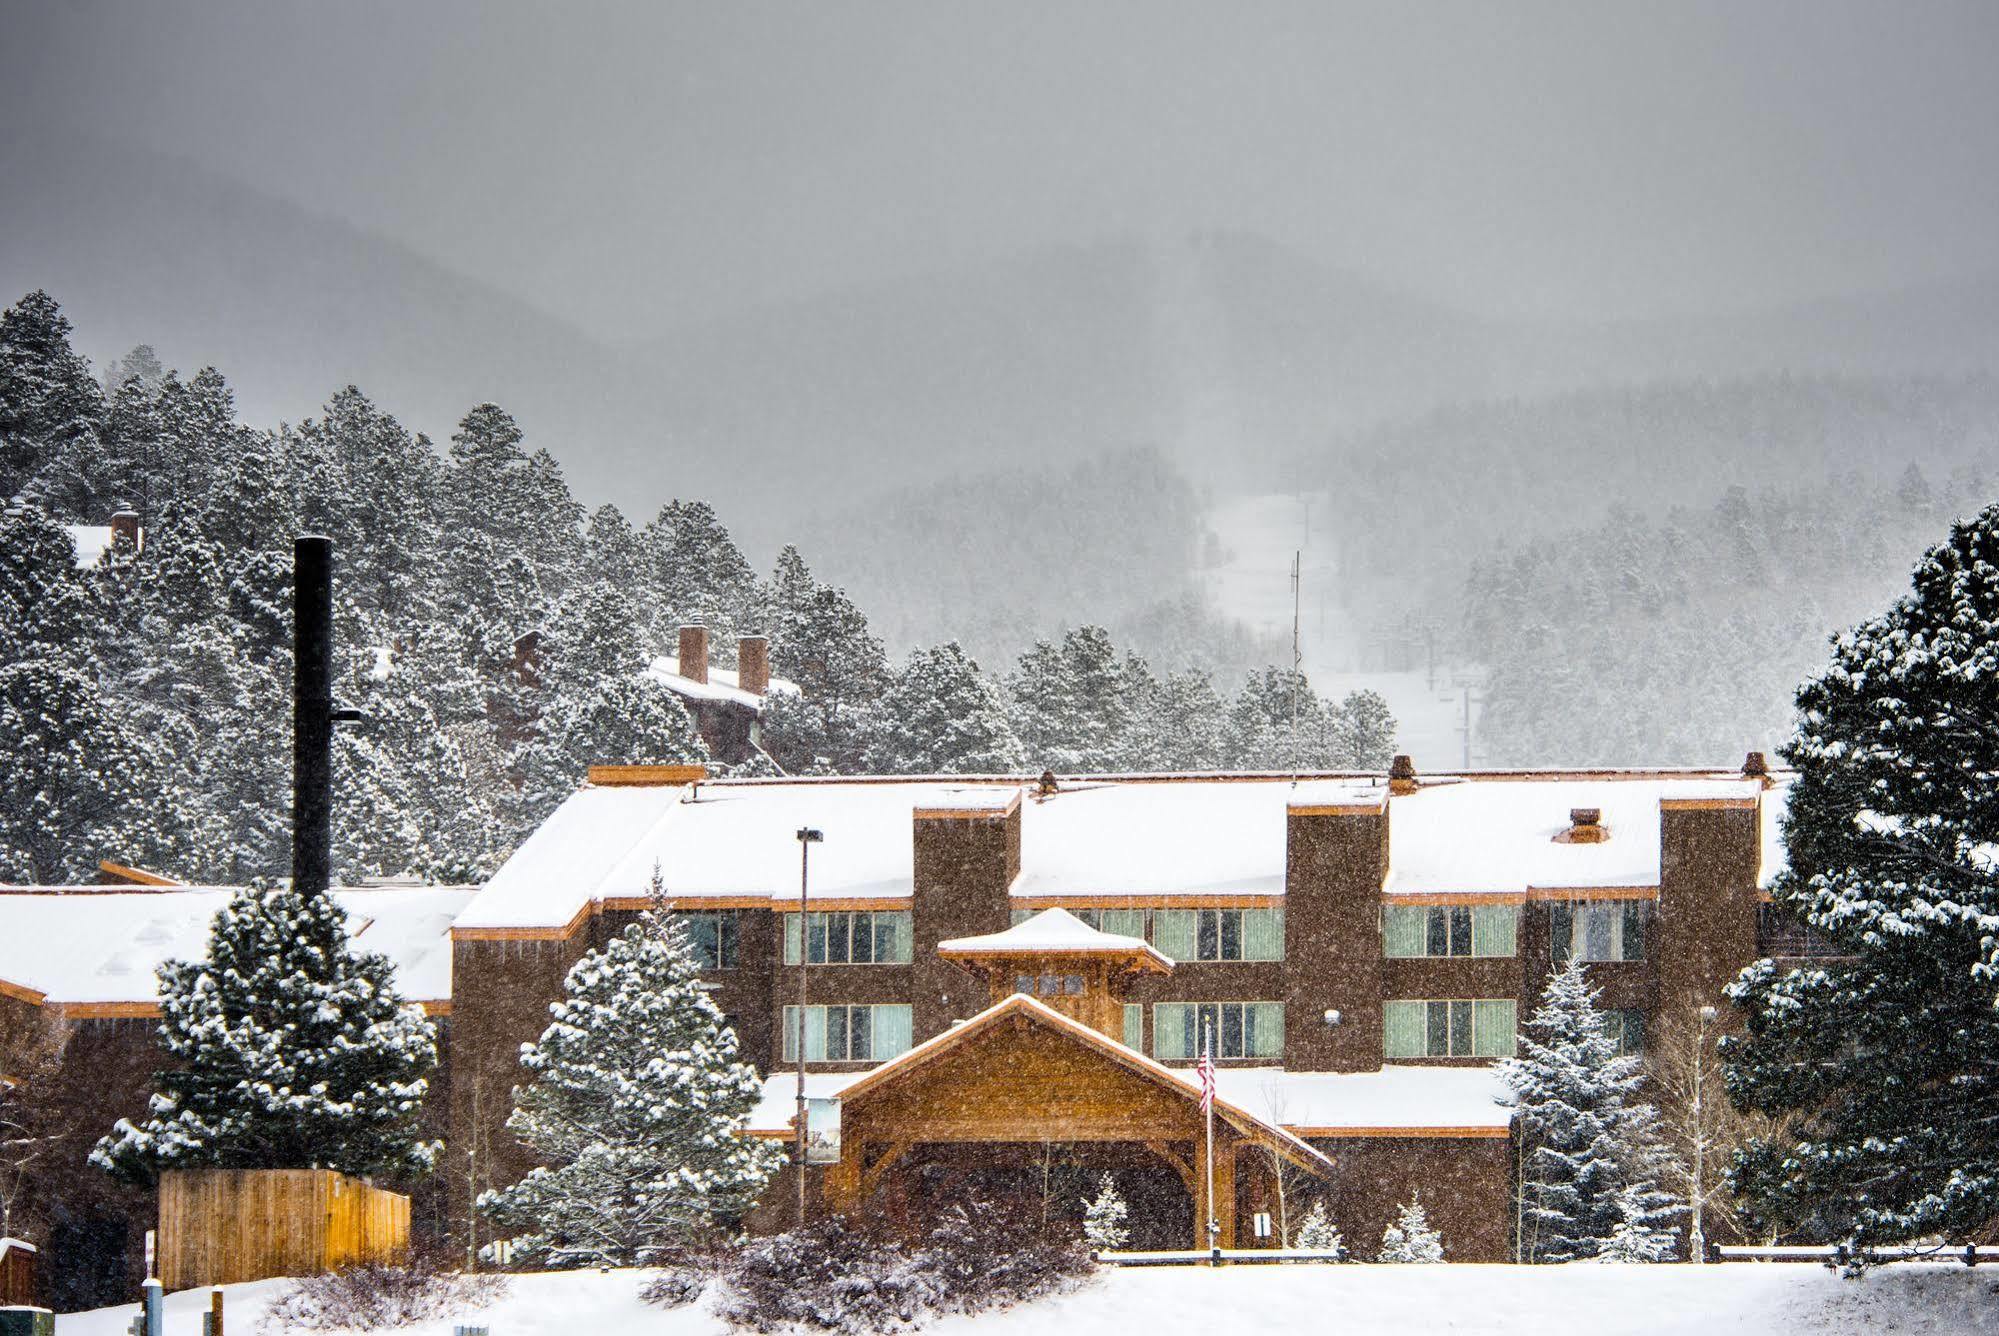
(1729, 1300)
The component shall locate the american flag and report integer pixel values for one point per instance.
(1206, 1067)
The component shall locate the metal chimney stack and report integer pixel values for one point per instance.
(312, 714)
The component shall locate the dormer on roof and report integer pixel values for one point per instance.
(1072, 967)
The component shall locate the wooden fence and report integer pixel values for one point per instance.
(220, 1226)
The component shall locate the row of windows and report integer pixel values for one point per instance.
(1411, 1028)
(1191, 934)
(1588, 931)
(850, 937)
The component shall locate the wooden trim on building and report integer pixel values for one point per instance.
(1337, 809)
(652, 776)
(100, 1011)
(987, 813)
(1423, 899)
(819, 904)
(637, 902)
(1141, 900)
(542, 933)
(1333, 1133)
(1747, 804)
(136, 876)
(20, 992)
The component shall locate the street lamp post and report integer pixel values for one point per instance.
(807, 837)
(1696, 1234)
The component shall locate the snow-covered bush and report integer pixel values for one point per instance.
(676, 1286)
(1317, 1233)
(379, 1294)
(833, 1277)
(1106, 1218)
(1410, 1238)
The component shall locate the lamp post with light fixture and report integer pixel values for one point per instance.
(1696, 1235)
(807, 837)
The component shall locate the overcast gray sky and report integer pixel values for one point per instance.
(631, 166)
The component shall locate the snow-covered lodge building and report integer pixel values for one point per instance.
(1005, 973)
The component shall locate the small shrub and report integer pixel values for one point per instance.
(379, 1294)
(675, 1287)
(833, 1277)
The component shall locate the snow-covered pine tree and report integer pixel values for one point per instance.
(1883, 1049)
(1409, 1238)
(635, 1095)
(1317, 1233)
(289, 1051)
(1072, 703)
(1593, 1156)
(941, 716)
(1106, 1218)
(47, 394)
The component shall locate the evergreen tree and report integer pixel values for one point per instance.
(820, 641)
(1593, 1156)
(1317, 1233)
(1882, 1052)
(1181, 726)
(48, 397)
(698, 571)
(941, 716)
(1072, 704)
(1106, 1226)
(1410, 1238)
(1366, 732)
(288, 1051)
(635, 1098)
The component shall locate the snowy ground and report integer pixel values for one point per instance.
(1730, 1300)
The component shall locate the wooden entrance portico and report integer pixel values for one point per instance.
(1021, 1074)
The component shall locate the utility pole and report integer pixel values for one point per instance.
(807, 837)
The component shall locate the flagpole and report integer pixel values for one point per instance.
(1208, 1061)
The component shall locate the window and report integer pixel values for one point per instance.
(848, 1033)
(1409, 931)
(1239, 1029)
(1049, 985)
(1614, 930)
(1454, 1028)
(1134, 1026)
(712, 933)
(1627, 1028)
(850, 937)
(1192, 934)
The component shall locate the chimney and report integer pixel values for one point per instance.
(125, 529)
(1585, 827)
(753, 664)
(1756, 766)
(1401, 775)
(694, 653)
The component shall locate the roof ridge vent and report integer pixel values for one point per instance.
(1585, 827)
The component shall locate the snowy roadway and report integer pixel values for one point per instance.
(1737, 1299)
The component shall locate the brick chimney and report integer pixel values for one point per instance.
(1585, 827)
(753, 664)
(1756, 766)
(125, 529)
(1402, 775)
(694, 653)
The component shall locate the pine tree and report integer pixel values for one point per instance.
(940, 716)
(1317, 1233)
(1072, 704)
(1410, 1238)
(635, 1098)
(1106, 1226)
(699, 573)
(1883, 1051)
(1593, 1157)
(288, 1051)
(47, 395)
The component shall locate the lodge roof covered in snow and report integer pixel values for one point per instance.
(98, 949)
(1142, 837)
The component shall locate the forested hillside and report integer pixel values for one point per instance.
(494, 635)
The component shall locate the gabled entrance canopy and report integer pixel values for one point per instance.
(1022, 1073)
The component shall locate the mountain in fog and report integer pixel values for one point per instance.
(1225, 352)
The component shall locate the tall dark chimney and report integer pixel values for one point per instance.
(312, 714)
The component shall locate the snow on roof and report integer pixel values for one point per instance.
(91, 541)
(722, 684)
(779, 1103)
(1396, 1097)
(1097, 837)
(1498, 835)
(91, 944)
(1050, 930)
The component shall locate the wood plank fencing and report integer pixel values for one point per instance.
(220, 1226)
